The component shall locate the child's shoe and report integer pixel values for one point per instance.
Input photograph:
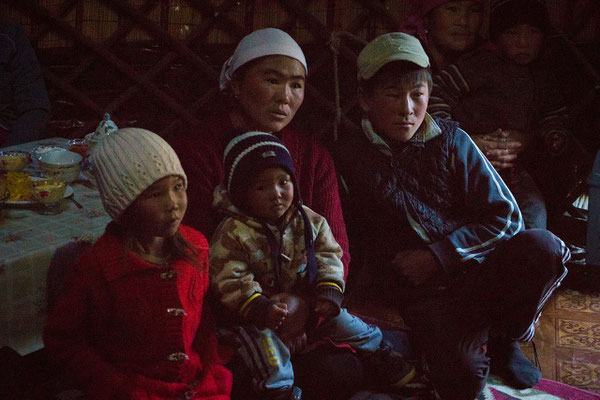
(296, 393)
(388, 368)
(289, 393)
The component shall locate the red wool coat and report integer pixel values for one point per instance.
(201, 153)
(129, 329)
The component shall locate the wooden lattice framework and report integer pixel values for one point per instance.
(149, 67)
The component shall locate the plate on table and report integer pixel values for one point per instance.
(68, 192)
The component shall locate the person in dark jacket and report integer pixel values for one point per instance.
(509, 101)
(441, 233)
(24, 103)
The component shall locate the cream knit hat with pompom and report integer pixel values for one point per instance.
(129, 161)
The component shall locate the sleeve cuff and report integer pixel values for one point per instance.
(254, 309)
(331, 292)
(446, 255)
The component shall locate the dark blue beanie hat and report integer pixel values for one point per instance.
(248, 154)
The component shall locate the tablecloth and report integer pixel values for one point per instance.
(28, 242)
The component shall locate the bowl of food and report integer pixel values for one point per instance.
(18, 186)
(48, 191)
(62, 166)
(40, 150)
(14, 160)
(78, 146)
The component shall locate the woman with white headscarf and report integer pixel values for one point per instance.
(264, 82)
(263, 85)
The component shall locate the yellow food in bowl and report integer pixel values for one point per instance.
(13, 161)
(3, 188)
(48, 191)
(19, 186)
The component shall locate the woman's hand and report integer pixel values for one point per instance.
(276, 314)
(416, 266)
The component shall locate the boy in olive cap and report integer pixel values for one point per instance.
(440, 232)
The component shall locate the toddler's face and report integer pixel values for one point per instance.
(270, 194)
(521, 43)
(161, 207)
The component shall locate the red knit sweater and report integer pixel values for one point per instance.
(201, 154)
(118, 328)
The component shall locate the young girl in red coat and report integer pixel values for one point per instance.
(132, 321)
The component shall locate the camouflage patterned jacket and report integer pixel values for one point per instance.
(242, 271)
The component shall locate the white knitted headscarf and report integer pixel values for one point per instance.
(261, 43)
(129, 161)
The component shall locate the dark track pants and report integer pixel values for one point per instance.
(503, 295)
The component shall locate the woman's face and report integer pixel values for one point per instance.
(269, 92)
(453, 26)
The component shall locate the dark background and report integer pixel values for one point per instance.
(155, 63)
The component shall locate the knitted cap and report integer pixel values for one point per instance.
(261, 43)
(504, 14)
(129, 161)
(250, 153)
(244, 157)
(390, 47)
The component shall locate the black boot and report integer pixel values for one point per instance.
(509, 363)
(388, 368)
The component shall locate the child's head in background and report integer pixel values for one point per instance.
(259, 176)
(142, 186)
(518, 28)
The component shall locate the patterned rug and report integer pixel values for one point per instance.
(568, 342)
(568, 339)
(546, 389)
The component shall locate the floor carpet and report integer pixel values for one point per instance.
(568, 339)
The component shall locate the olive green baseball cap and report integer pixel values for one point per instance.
(395, 46)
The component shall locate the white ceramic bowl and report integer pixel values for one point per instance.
(63, 166)
(40, 150)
